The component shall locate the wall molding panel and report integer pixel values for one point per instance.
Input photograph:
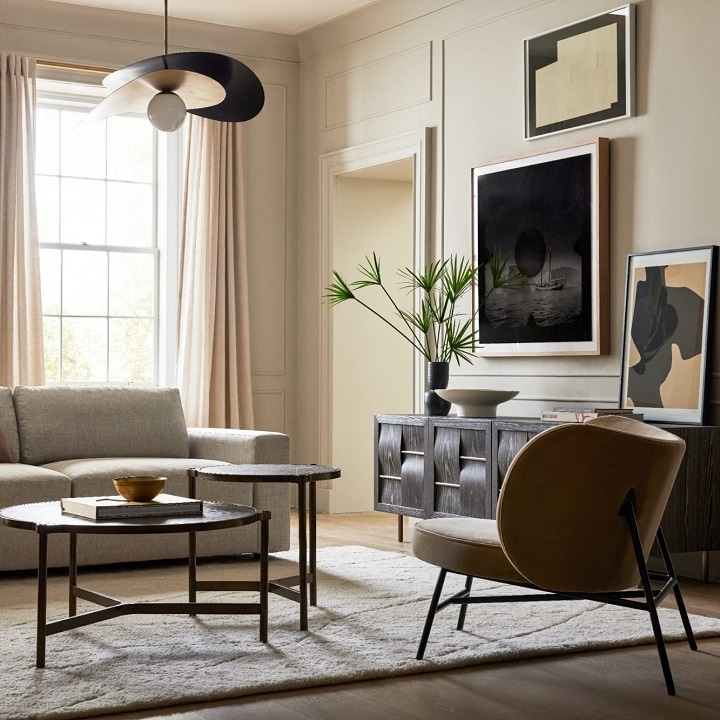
(367, 91)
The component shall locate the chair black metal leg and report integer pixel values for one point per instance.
(431, 614)
(628, 510)
(463, 606)
(676, 590)
(657, 631)
(684, 617)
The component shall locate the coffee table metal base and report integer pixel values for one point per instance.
(112, 607)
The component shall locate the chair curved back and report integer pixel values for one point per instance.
(558, 512)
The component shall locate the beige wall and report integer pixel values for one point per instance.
(457, 67)
(111, 39)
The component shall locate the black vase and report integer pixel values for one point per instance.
(438, 375)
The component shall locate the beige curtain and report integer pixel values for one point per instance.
(21, 340)
(213, 359)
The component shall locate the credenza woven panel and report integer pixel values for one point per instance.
(461, 482)
(400, 466)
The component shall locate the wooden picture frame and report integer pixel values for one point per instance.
(546, 214)
(669, 299)
(580, 74)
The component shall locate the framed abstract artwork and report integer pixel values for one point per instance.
(580, 74)
(544, 217)
(669, 298)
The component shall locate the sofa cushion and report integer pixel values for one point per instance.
(93, 421)
(9, 443)
(4, 448)
(93, 476)
(20, 484)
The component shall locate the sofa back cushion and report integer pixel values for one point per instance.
(67, 422)
(4, 448)
(9, 443)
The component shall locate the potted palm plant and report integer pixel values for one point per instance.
(437, 327)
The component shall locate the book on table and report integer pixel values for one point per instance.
(581, 415)
(117, 507)
(596, 410)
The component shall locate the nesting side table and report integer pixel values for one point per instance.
(306, 478)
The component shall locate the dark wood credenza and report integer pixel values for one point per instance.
(447, 466)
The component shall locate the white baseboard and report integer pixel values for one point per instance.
(689, 565)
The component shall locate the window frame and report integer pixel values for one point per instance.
(166, 227)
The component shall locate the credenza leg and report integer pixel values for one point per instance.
(705, 559)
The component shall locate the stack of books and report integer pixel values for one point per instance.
(118, 508)
(581, 415)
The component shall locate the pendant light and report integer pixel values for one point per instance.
(207, 84)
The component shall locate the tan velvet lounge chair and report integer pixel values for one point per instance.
(577, 516)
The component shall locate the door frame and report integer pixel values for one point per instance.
(414, 146)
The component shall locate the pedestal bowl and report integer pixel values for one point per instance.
(476, 402)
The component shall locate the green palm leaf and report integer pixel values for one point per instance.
(437, 327)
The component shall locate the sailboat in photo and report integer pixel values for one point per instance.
(547, 281)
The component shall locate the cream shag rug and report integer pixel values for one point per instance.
(371, 608)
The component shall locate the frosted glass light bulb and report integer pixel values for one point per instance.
(166, 111)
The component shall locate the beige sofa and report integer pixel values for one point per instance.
(62, 441)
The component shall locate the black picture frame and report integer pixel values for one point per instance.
(547, 215)
(580, 74)
(667, 333)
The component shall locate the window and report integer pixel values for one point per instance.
(102, 197)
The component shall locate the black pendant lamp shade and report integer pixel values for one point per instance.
(243, 98)
(207, 84)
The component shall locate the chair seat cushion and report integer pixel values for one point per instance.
(468, 546)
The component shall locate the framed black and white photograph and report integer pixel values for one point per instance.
(580, 74)
(545, 217)
(669, 297)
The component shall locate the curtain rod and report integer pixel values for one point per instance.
(73, 66)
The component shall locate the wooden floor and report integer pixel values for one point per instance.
(624, 683)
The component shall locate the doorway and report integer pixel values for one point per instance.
(374, 204)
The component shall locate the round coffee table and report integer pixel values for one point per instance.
(305, 477)
(47, 518)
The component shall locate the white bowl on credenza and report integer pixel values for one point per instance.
(472, 402)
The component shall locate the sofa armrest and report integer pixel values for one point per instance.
(239, 447)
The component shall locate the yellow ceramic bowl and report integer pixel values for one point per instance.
(139, 489)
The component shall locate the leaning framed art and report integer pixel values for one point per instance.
(544, 218)
(669, 298)
(580, 74)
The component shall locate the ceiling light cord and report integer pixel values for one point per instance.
(166, 111)
(166, 27)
